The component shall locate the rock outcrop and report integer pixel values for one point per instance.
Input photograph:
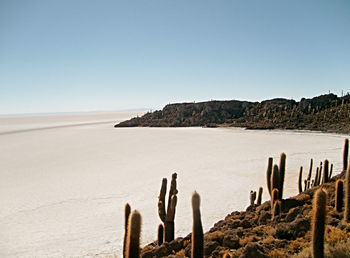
(327, 113)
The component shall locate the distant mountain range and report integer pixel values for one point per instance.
(327, 113)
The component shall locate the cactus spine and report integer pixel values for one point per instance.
(268, 174)
(347, 196)
(168, 216)
(133, 237)
(258, 202)
(300, 184)
(127, 211)
(197, 230)
(282, 171)
(318, 223)
(160, 234)
(339, 195)
(345, 155)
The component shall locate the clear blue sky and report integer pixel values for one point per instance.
(81, 55)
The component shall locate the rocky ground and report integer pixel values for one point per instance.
(256, 233)
(327, 113)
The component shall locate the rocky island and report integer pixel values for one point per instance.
(327, 113)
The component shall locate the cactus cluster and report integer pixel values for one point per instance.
(309, 182)
(275, 178)
(252, 197)
(275, 182)
(168, 215)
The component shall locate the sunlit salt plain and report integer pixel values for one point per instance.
(64, 179)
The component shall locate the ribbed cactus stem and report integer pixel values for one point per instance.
(169, 226)
(300, 181)
(258, 202)
(330, 173)
(282, 171)
(133, 238)
(275, 180)
(277, 207)
(172, 191)
(347, 196)
(161, 200)
(310, 169)
(127, 210)
(197, 230)
(326, 170)
(339, 195)
(321, 175)
(160, 234)
(318, 223)
(252, 198)
(346, 155)
(268, 174)
(274, 196)
(316, 176)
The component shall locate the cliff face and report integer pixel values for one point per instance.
(324, 113)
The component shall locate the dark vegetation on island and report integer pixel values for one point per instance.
(327, 113)
(315, 223)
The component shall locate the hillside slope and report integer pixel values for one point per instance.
(327, 113)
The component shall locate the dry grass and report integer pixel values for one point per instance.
(277, 253)
(303, 197)
(297, 245)
(269, 240)
(335, 235)
(246, 240)
(214, 236)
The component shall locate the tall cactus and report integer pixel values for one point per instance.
(330, 173)
(339, 195)
(252, 198)
(127, 211)
(318, 223)
(326, 170)
(268, 174)
(347, 196)
(346, 155)
(300, 181)
(197, 230)
(310, 170)
(133, 237)
(316, 176)
(168, 215)
(282, 171)
(258, 202)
